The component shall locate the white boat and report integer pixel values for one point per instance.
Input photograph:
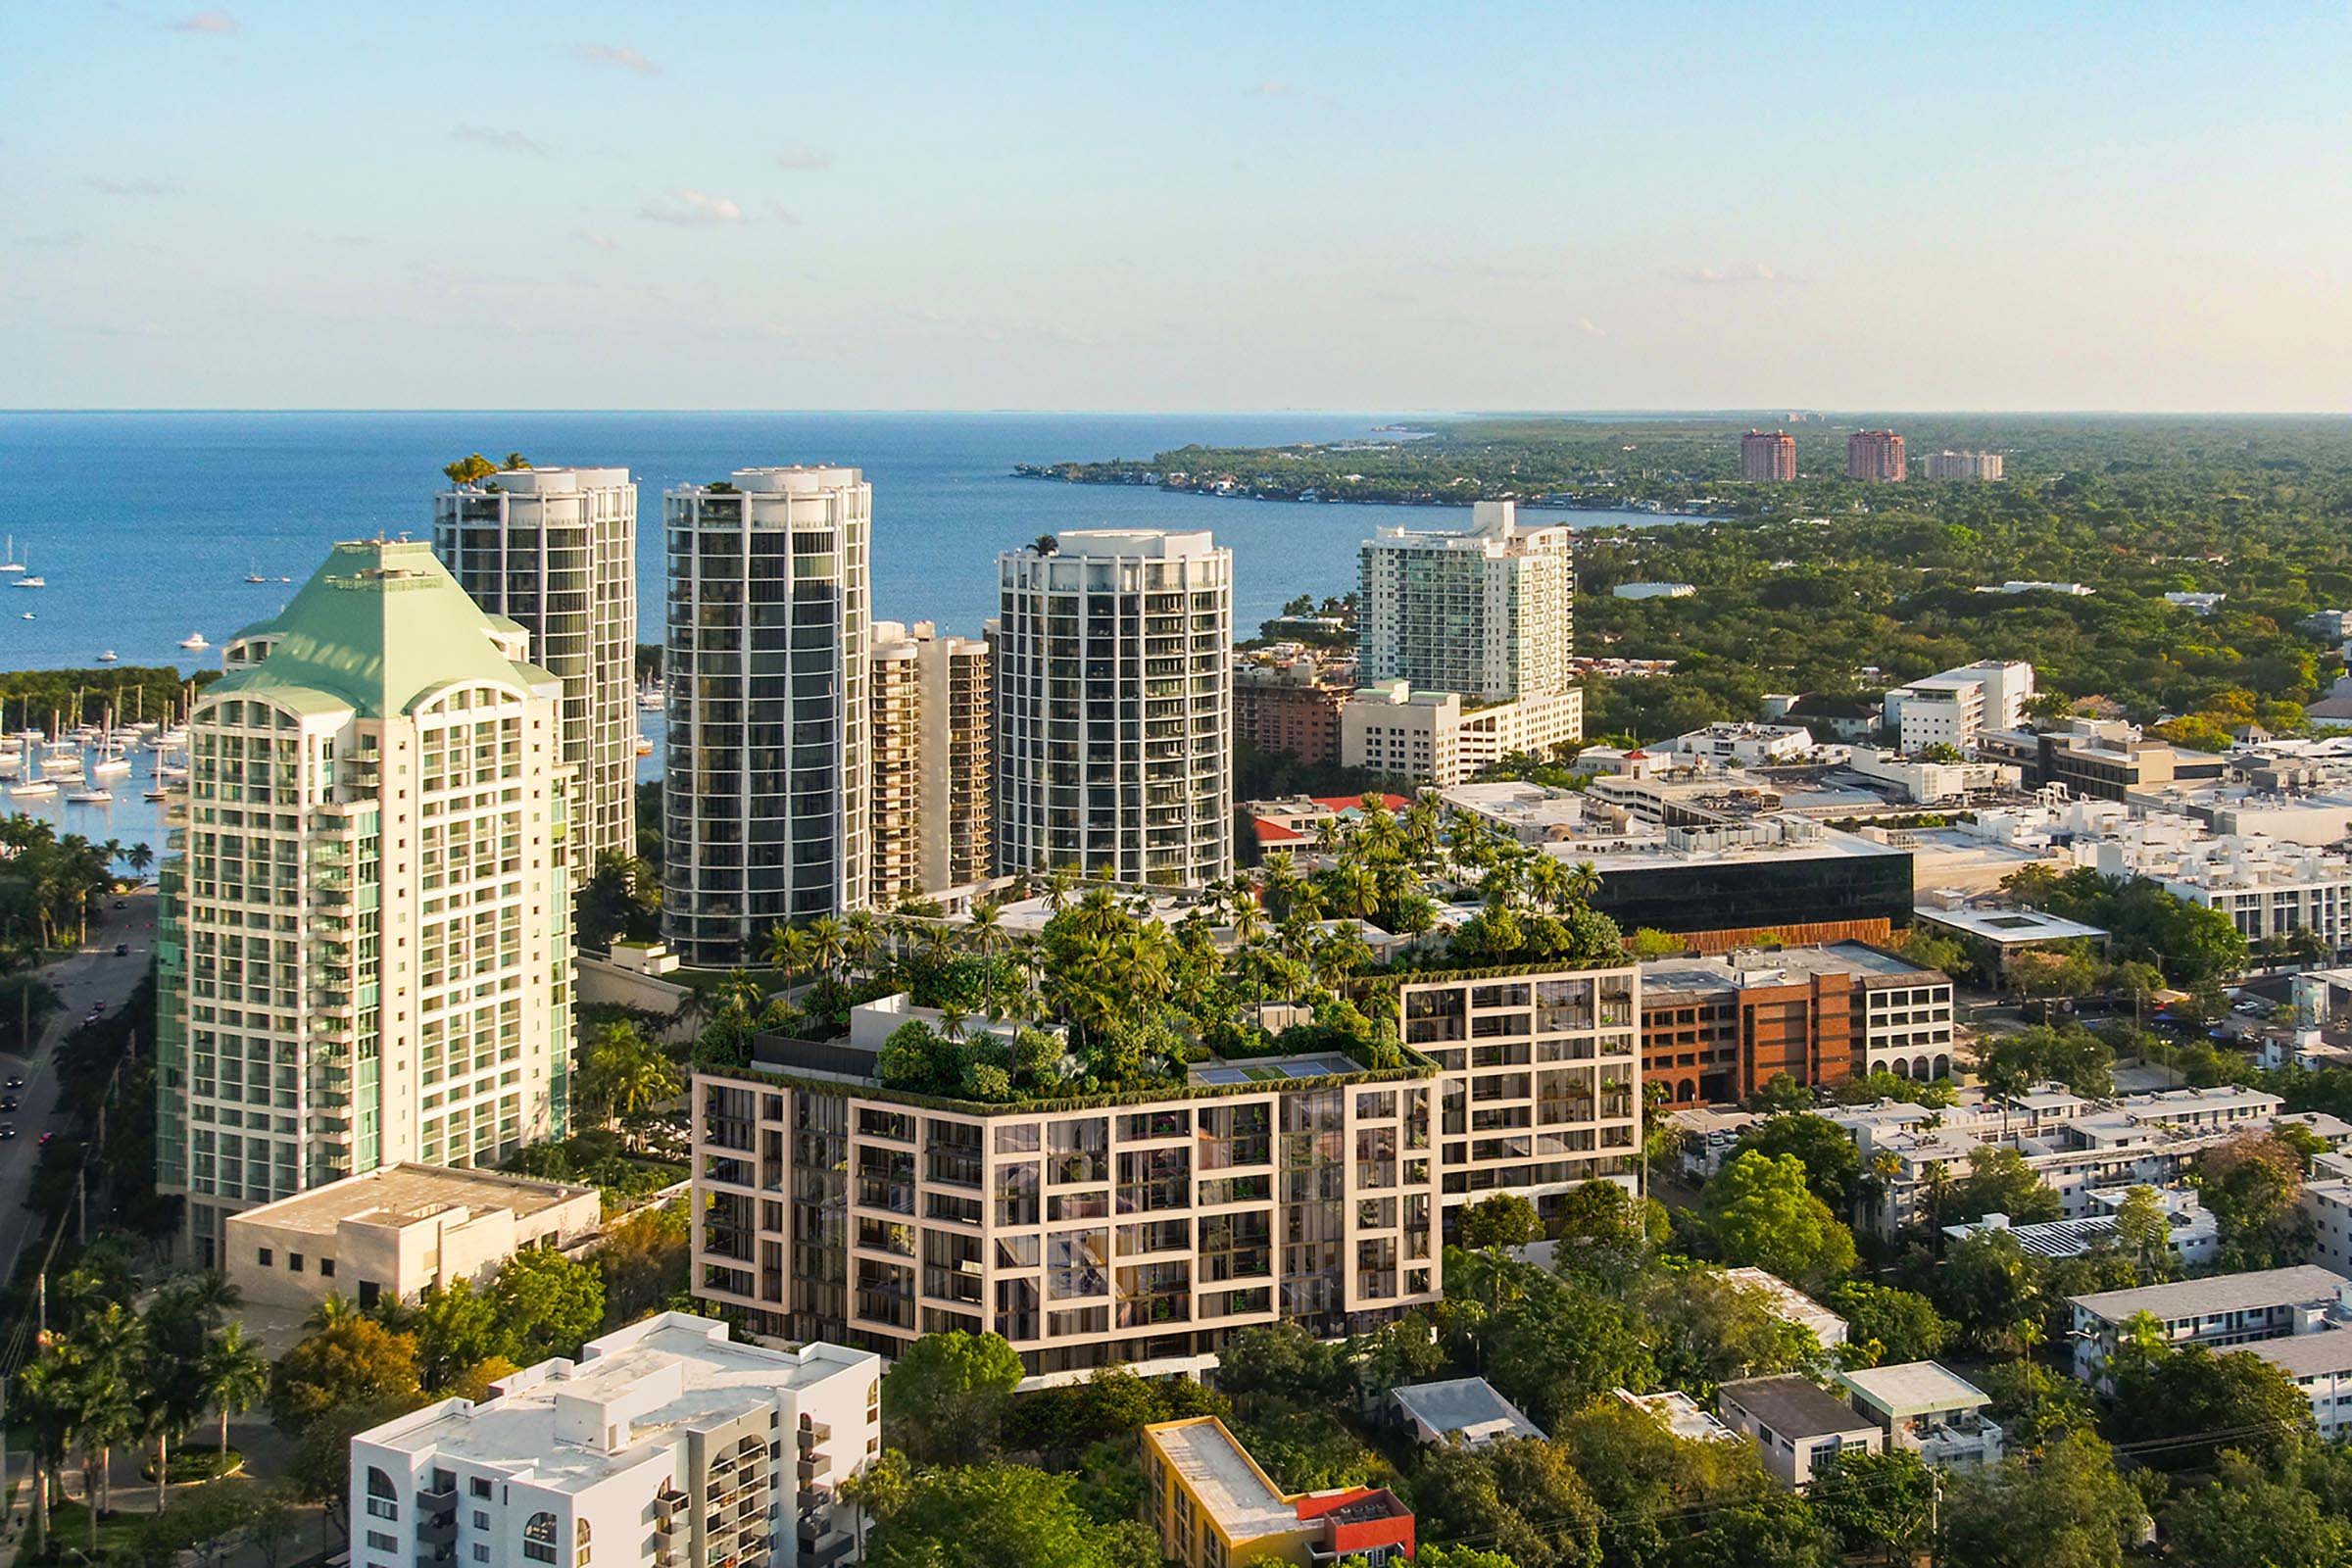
(159, 795)
(27, 615)
(108, 657)
(89, 796)
(30, 582)
(651, 699)
(171, 774)
(194, 639)
(12, 565)
(11, 765)
(111, 768)
(31, 789)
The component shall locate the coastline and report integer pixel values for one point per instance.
(1616, 505)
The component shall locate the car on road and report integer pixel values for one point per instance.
(45, 1136)
(8, 1102)
(121, 904)
(8, 1129)
(15, 1081)
(121, 949)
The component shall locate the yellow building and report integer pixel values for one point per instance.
(1215, 1509)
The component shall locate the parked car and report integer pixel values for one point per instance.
(121, 949)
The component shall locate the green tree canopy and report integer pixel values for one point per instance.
(1760, 1211)
(946, 1395)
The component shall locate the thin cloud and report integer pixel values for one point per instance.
(589, 236)
(105, 186)
(1718, 277)
(693, 209)
(1586, 326)
(613, 53)
(208, 23)
(799, 159)
(513, 141)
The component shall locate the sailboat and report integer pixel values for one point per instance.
(25, 578)
(12, 565)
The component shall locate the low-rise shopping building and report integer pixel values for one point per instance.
(666, 1443)
(1213, 1508)
(1927, 1409)
(1795, 1425)
(2098, 759)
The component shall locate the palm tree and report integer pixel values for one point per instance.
(987, 932)
(232, 1377)
(787, 951)
(46, 1404)
(106, 1411)
(862, 938)
(827, 942)
(331, 1312)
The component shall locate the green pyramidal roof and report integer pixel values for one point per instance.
(381, 623)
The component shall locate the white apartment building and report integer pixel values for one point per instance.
(666, 1445)
(766, 802)
(2224, 1312)
(1981, 466)
(1954, 708)
(2268, 888)
(931, 761)
(2077, 1145)
(1432, 739)
(1487, 612)
(363, 952)
(555, 551)
(1113, 716)
(1743, 745)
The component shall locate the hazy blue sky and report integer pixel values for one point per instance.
(285, 203)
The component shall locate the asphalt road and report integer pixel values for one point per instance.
(93, 974)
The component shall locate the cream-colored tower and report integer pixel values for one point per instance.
(365, 955)
(931, 761)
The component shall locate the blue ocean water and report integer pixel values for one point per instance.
(146, 524)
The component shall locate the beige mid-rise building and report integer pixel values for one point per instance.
(1432, 739)
(931, 761)
(1144, 1227)
(363, 954)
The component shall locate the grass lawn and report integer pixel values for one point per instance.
(202, 1462)
(70, 1527)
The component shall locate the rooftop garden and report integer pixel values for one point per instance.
(1108, 1000)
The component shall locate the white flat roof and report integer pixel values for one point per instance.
(2008, 925)
(1915, 1388)
(1225, 1481)
(515, 1432)
(404, 1194)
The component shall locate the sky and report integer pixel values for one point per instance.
(346, 204)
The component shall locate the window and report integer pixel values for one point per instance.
(326, 1268)
(377, 1541)
(478, 1485)
(294, 1262)
(383, 1498)
(481, 1551)
(266, 1257)
(579, 1533)
(539, 1537)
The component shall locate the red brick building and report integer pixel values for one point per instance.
(1875, 456)
(1767, 454)
(1292, 709)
